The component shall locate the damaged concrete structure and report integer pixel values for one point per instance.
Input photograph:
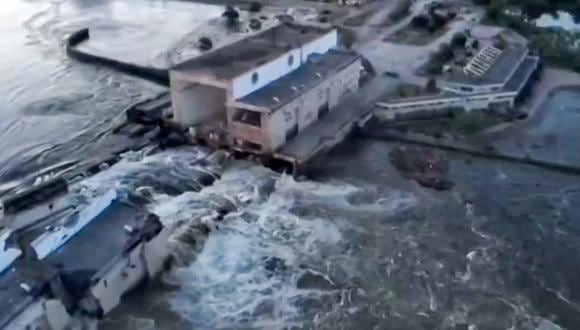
(260, 93)
(78, 267)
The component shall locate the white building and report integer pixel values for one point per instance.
(258, 93)
(493, 78)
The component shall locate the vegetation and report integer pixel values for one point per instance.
(533, 9)
(425, 27)
(232, 17)
(472, 122)
(439, 59)
(459, 40)
(555, 45)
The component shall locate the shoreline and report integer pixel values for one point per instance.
(552, 81)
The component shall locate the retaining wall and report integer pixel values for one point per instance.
(427, 141)
(157, 75)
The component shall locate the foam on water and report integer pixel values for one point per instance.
(263, 265)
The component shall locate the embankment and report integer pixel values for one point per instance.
(464, 148)
(157, 75)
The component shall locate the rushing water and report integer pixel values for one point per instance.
(355, 247)
(55, 111)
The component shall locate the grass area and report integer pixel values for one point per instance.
(410, 35)
(472, 122)
(556, 46)
(462, 123)
(405, 90)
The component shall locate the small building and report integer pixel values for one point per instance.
(257, 94)
(495, 78)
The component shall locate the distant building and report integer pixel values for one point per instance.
(495, 77)
(259, 93)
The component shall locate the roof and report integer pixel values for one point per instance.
(244, 55)
(498, 72)
(521, 75)
(316, 70)
(103, 240)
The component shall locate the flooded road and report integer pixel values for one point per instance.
(355, 247)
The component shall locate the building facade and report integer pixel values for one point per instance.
(258, 93)
(494, 78)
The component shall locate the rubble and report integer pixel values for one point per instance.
(428, 167)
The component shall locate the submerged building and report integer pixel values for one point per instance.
(497, 77)
(260, 93)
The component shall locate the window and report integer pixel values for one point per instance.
(290, 60)
(248, 117)
(254, 77)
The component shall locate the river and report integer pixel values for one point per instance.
(354, 247)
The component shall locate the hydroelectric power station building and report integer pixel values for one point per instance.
(262, 93)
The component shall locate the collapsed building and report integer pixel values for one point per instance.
(67, 258)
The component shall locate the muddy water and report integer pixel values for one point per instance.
(56, 112)
(550, 136)
(355, 247)
(358, 247)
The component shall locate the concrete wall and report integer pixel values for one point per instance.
(474, 102)
(321, 45)
(144, 261)
(248, 132)
(195, 104)
(303, 110)
(243, 85)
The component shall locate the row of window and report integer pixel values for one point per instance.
(452, 102)
(256, 77)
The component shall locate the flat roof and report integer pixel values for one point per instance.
(498, 73)
(522, 74)
(88, 252)
(315, 71)
(102, 239)
(244, 55)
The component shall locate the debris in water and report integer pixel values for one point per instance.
(428, 167)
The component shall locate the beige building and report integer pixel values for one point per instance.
(259, 93)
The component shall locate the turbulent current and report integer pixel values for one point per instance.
(356, 246)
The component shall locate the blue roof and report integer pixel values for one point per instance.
(316, 70)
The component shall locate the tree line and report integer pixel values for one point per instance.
(533, 9)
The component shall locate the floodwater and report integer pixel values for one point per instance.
(354, 247)
(552, 134)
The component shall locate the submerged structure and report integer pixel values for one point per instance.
(67, 258)
(262, 93)
(75, 261)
